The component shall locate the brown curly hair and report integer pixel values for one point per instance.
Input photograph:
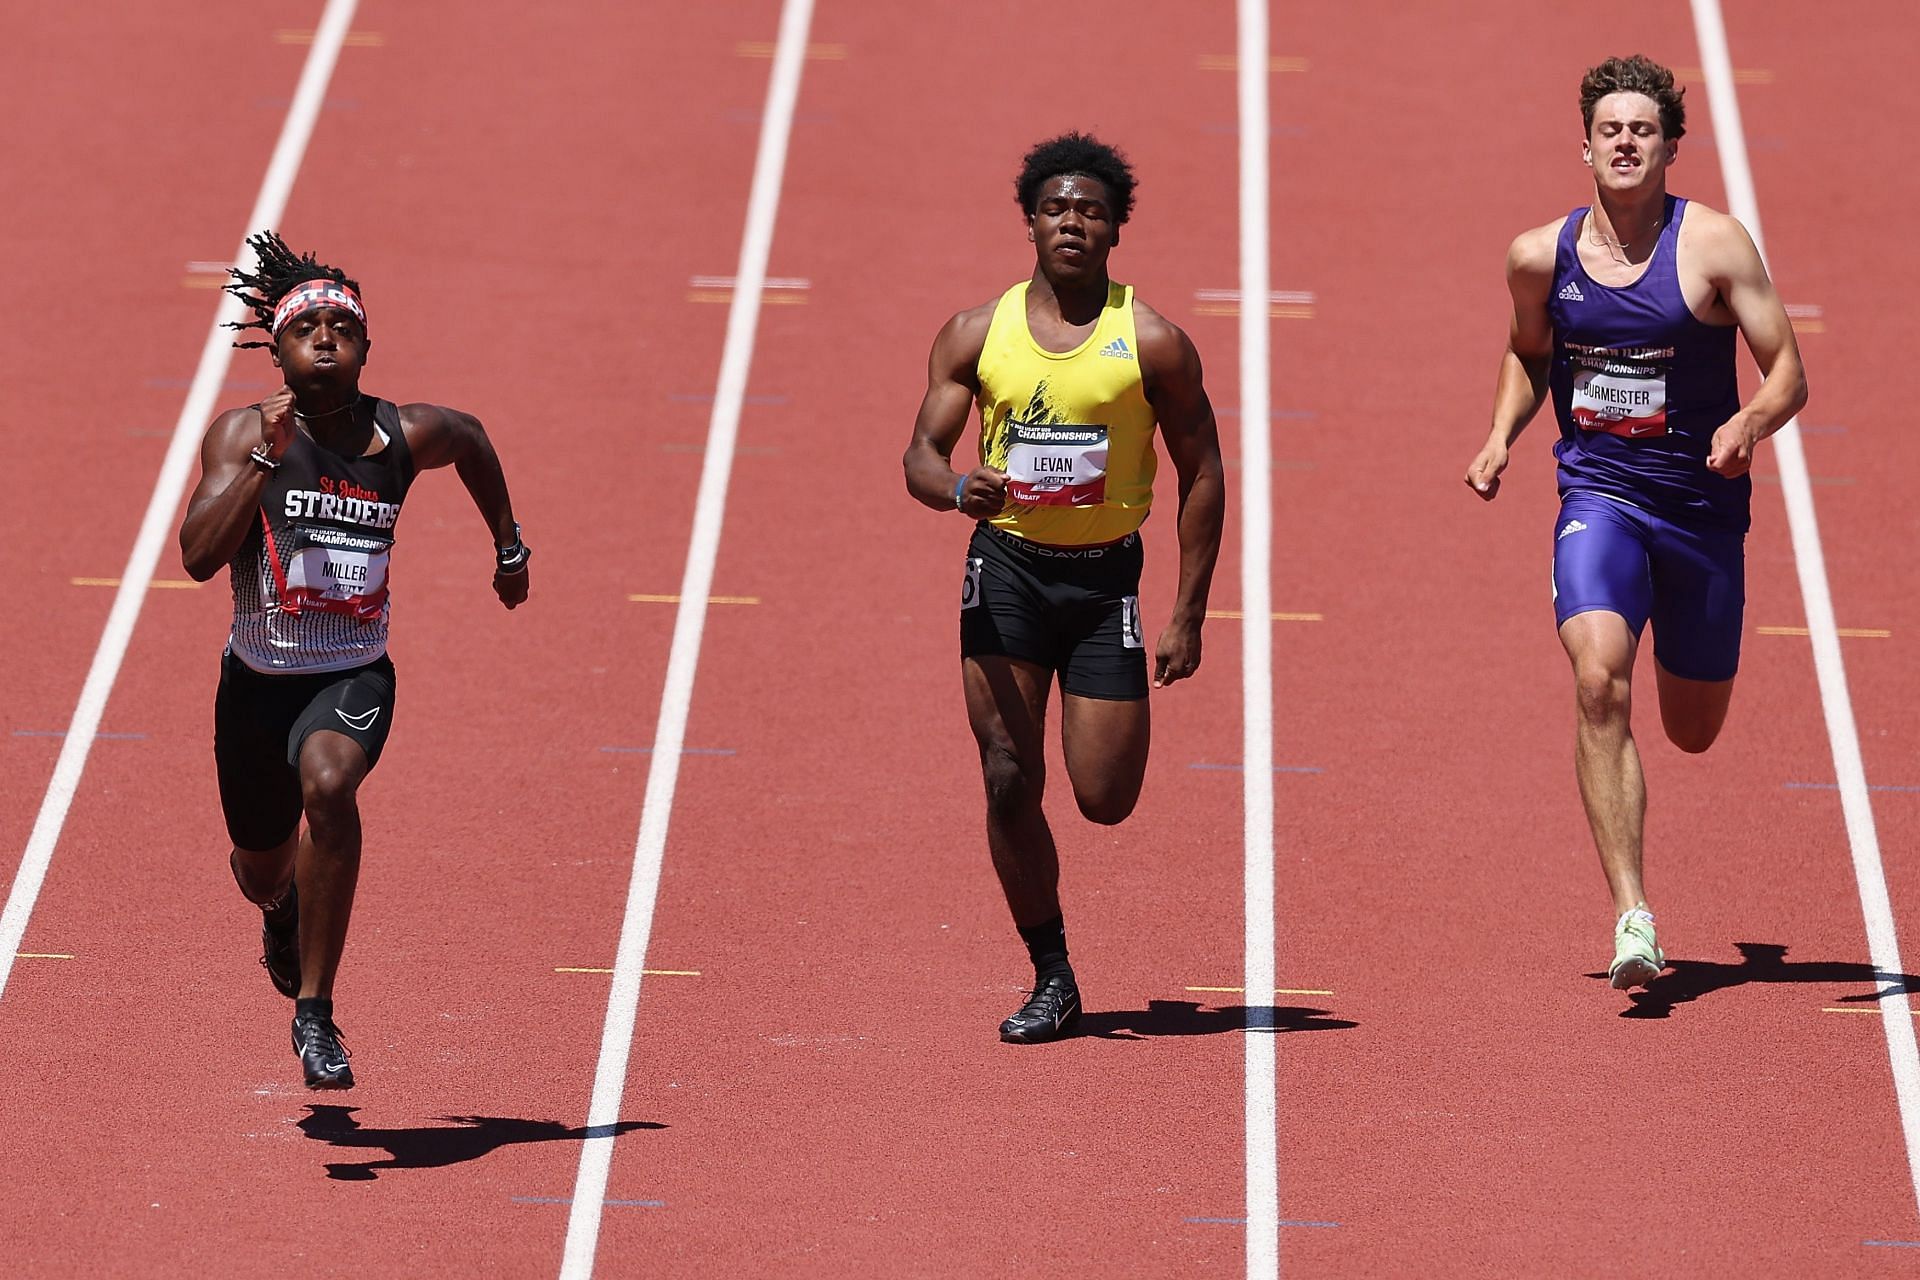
(1638, 74)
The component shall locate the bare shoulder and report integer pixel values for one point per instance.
(958, 346)
(1532, 252)
(233, 433)
(1163, 343)
(1716, 240)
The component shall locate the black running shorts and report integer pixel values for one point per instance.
(1074, 610)
(259, 724)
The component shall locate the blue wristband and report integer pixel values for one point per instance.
(958, 489)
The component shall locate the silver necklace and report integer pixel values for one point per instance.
(315, 417)
(1617, 249)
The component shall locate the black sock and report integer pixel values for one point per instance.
(1047, 946)
(314, 1007)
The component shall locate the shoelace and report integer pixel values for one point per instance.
(314, 1034)
(1048, 999)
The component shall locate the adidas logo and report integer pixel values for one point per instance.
(1117, 349)
(1572, 292)
(1573, 526)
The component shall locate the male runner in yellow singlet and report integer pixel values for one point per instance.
(1071, 375)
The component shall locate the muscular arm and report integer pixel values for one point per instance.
(1177, 391)
(952, 384)
(442, 437)
(1522, 386)
(1734, 268)
(226, 501)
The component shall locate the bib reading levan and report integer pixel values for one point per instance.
(1072, 429)
(310, 581)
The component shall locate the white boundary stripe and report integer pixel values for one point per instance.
(215, 356)
(1848, 768)
(609, 1081)
(1256, 532)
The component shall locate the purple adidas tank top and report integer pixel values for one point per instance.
(1640, 384)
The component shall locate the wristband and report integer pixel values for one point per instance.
(958, 489)
(512, 559)
(259, 455)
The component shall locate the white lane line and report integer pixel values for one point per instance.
(623, 1000)
(215, 356)
(1842, 735)
(1256, 532)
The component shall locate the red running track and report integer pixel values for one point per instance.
(528, 198)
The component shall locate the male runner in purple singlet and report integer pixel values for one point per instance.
(298, 497)
(1625, 311)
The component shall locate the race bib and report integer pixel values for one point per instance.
(336, 572)
(970, 588)
(1621, 390)
(1056, 465)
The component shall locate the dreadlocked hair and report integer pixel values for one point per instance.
(281, 270)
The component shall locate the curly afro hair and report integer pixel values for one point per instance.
(280, 270)
(1076, 153)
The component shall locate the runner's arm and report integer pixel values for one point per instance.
(1737, 271)
(952, 383)
(226, 501)
(440, 437)
(1522, 386)
(1177, 390)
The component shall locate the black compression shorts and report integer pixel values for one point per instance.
(259, 724)
(1075, 610)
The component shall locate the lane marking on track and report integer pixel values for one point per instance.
(1845, 633)
(41, 955)
(1231, 62)
(157, 584)
(1843, 735)
(1741, 75)
(1277, 617)
(1893, 1244)
(1279, 991)
(61, 733)
(168, 488)
(1283, 304)
(784, 291)
(612, 1204)
(1827, 480)
(1834, 786)
(685, 751)
(645, 599)
(352, 40)
(1856, 1009)
(815, 52)
(1234, 768)
(1806, 317)
(683, 657)
(651, 973)
(1259, 963)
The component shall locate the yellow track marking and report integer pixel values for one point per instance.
(647, 599)
(1868, 1009)
(1852, 633)
(657, 973)
(353, 40)
(41, 955)
(1231, 62)
(815, 52)
(158, 584)
(1278, 617)
(1279, 991)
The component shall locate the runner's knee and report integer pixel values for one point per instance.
(1011, 788)
(327, 788)
(1108, 809)
(1603, 695)
(1692, 738)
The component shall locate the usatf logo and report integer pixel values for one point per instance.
(1572, 526)
(1572, 292)
(1117, 349)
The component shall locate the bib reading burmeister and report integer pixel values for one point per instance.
(1620, 390)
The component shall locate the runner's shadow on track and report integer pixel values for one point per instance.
(1687, 980)
(461, 1139)
(1187, 1018)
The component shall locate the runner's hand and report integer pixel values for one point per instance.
(985, 493)
(511, 586)
(1731, 452)
(1177, 656)
(1483, 474)
(276, 423)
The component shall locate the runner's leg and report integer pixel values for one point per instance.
(1601, 646)
(1105, 742)
(1693, 711)
(327, 867)
(1007, 710)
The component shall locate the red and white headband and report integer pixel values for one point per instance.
(312, 295)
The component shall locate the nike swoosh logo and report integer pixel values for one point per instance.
(362, 722)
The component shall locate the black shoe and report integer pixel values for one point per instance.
(280, 944)
(1051, 1012)
(322, 1056)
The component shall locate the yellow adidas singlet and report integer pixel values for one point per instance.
(1072, 429)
